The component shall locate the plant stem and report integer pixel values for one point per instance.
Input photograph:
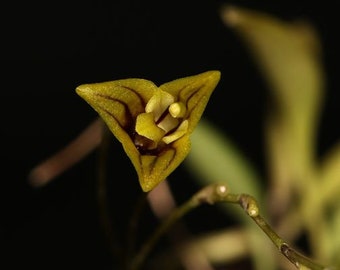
(219, 193)
(102, 196)
(160, 231)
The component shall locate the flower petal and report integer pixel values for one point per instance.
(179, 132)
(146, 126)
(194, 92)
(159, 102)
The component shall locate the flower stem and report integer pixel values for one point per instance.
(219, 193)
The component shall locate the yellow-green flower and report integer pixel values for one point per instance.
(152, 123)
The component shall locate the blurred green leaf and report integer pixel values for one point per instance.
(288, 54)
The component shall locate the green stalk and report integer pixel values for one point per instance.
(219, 193)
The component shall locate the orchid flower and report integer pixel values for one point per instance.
(152, 123)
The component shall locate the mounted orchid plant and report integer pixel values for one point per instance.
(161, 127)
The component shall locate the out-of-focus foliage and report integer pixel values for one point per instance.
(302, 190)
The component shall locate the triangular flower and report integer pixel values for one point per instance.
(152, 123)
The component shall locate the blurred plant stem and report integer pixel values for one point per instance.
(219, 193)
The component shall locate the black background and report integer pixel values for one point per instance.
(49, 48)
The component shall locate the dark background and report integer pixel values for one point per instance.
(49, 48)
